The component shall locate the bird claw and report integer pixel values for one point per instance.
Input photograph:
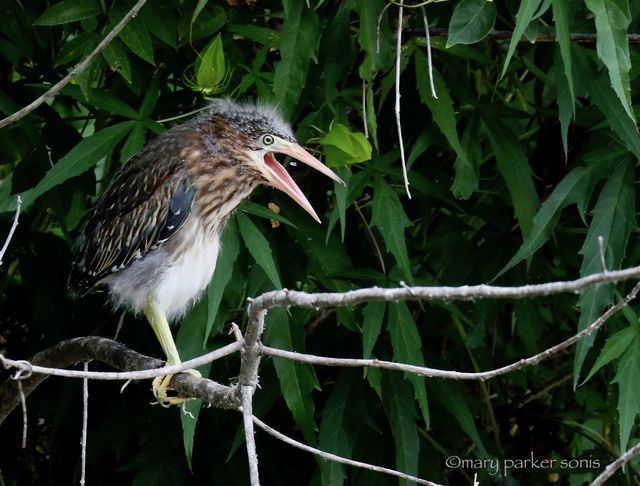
(160, 388)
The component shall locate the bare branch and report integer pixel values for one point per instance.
(397, 106)
(85, 421)
(67, 353)
(455, 375)
(615, 465)
(332, 457)
(247, 415)
(14, 225)
(284, 298)
(75, 72)
(578, 37)
(429, 59)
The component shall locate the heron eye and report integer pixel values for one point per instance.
(267, 140)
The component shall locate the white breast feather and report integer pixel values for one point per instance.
(175, 283)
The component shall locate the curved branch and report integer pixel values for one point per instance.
(75, 72)
(116, 355)
(615, 465)
(455, 375)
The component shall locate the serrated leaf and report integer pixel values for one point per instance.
(561, 19)
(297, 380)
(450, 394)
(116, 55)
(68, 11)
(389, 217)
(471, 21)
(335, 436)
(525, 14)
(612, 19)
(137, 38)
(103, 100)
(189, 342)
(604, 98)
(299, 44)
(575, 187)
(259, 248)
(407, 348)
(443, 114)
(613, 349)
(80, 159)
(343, 146)
(513, 165)
(401, 412)
(627, 378)
(372, 318)
(375, 43)
(229, 249)
(613, 219)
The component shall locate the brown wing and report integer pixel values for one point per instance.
(148, 201)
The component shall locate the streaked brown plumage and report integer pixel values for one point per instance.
(153, 237)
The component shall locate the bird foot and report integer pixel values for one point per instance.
(162, 390)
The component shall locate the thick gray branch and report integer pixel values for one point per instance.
(116, 355)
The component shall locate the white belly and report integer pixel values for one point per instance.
(175, 283)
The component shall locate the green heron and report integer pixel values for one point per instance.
(153, 238)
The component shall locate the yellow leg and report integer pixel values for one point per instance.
(160, 327)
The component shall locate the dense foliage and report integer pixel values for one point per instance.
(525, 158)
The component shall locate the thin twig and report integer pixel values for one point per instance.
(429, 59)
(372, 236)
(615, 465)
(455, 375)
(249, 435)
(14, 225)
(25, 424)
(128, 375)
(75, 72)
(578, 37)
(85, 420)
(397, 106)
(364, 108)
(332, 457)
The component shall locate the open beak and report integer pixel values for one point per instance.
(279, 178)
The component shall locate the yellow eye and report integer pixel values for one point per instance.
(267, 140)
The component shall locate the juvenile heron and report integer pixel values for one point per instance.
(153, 237)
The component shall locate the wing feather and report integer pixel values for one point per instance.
(147, 202)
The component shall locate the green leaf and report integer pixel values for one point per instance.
(80, 159)
(116, 55)
(627, 378)
(372, 318)
(407, 348)
(613, 219)
(471, 21)
(297, 380)
(524, 16)
(299, 45)
(561, 18)
(211, 73)
(389, 217)
(612, 20)
(189, 342)
(344, 147)
(575, 187)
(401, 412)
(443, 114)
(137, 38)
(259, 248)
(450, 394)
(103, 100)
(604, 98)
(68, 11)
(514, 167)
(614, 348)
(335, 435)
(229, 249)
(375, 43)
(259, 210)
